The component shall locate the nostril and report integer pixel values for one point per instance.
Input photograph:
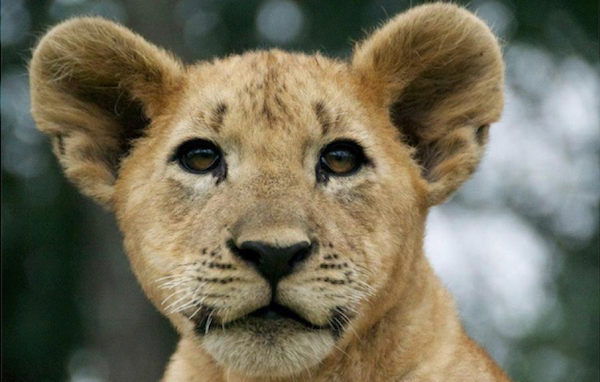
(250, 255)
(301, 253)
(246, 251)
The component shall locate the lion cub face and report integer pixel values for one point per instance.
(272, 203)
(264, 213)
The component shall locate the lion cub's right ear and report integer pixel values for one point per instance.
(95, 87)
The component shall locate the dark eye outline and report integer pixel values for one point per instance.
(186, 147)
(341, 145)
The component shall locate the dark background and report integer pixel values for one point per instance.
(518, 246)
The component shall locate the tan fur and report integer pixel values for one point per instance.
(418, 96)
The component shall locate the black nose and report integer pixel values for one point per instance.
(272, 262)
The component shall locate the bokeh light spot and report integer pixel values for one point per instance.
(280, 21)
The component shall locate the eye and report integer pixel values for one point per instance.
(198, 156)
(342, 158)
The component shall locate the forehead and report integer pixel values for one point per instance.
(274, 93)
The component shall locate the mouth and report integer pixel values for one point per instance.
(276, 312)
(271, 316)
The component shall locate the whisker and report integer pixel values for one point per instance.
(193, 301)
(173, 284)
(368, 288)
(168, 277)
(349, 325)
(184, 307)
(338, 348)
(169, 297)
(174, 303)
(196, 311)
(209, 321)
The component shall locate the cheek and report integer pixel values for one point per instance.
(155, 218)
(362, 206)
(381, 220)
(178, 220)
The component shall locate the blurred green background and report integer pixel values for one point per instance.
(518, 246)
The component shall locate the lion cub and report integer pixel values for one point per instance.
(273, 204)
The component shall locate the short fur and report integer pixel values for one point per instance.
(418, 96)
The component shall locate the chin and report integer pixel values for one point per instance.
(268, 345)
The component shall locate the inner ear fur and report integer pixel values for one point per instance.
(440, 72)
(95, 87)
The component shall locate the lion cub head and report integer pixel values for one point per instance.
(272, 203)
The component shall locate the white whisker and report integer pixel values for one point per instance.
(338, 348)
(174, 303)
(169, 297)
(196, 311)
(349, 325)
(208, 321)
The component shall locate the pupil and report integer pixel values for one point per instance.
(201, 158)
(341, 161)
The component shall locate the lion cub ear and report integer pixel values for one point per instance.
(95, 87)
(439, 70)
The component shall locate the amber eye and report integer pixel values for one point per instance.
(342, 158)
(198, 156)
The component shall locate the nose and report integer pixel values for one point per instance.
(272, 262)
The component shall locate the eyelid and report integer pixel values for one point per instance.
(351, 143)
(174, 156)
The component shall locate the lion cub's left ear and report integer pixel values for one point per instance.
(440, 72)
